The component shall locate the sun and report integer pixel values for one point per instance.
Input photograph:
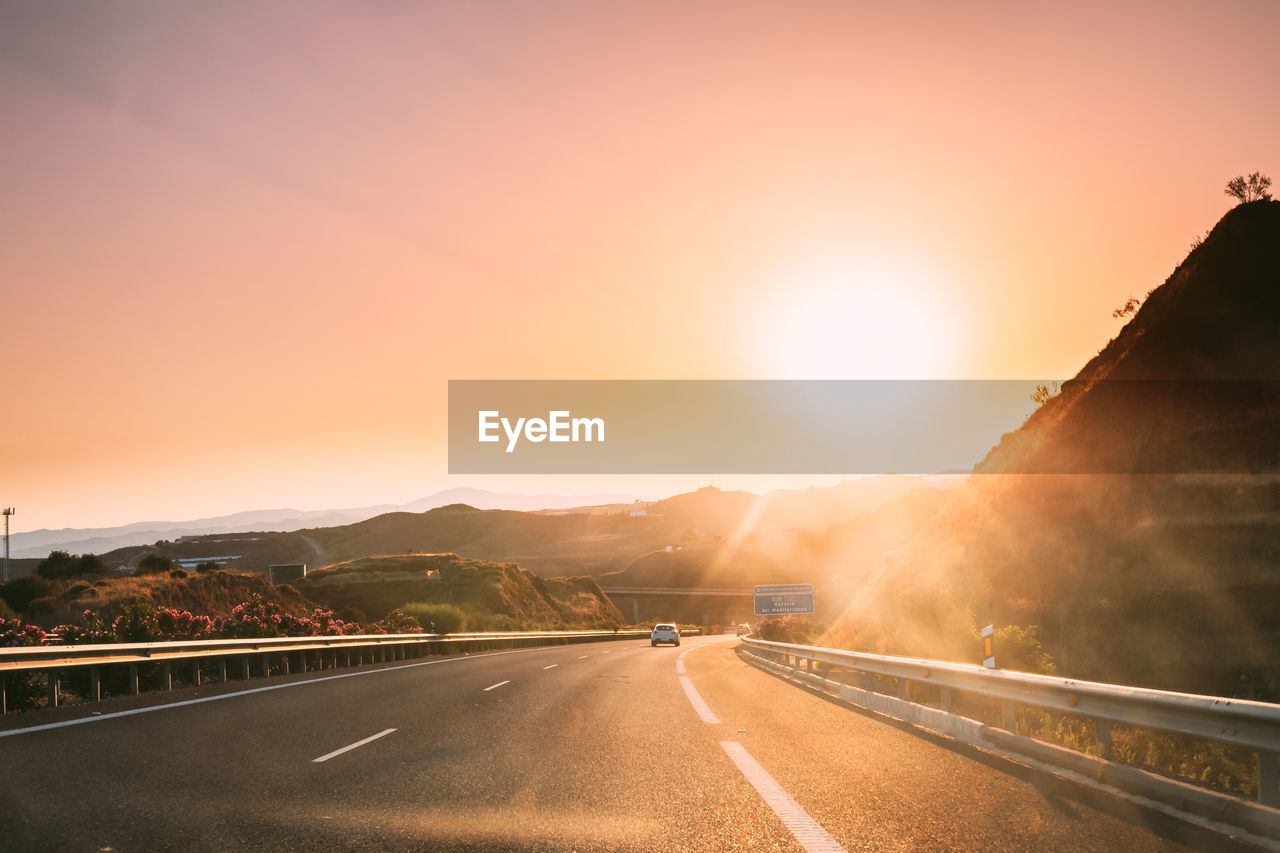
(858, 319)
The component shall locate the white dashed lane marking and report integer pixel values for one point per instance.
(812, 837)
(696, 701)
(495, 686)
(352, 746)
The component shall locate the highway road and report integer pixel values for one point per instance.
(605, 746)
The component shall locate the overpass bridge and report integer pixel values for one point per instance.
(683, 604)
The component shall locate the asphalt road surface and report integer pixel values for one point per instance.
(585, 747)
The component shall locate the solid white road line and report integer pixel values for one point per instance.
(553, 666)
(352, 746)
(499, 684)
(679, 666)
(115, 714)
(696, 701)
(807, 831)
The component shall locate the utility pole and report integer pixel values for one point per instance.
(8, 511)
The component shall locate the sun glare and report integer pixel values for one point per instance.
(856, 319)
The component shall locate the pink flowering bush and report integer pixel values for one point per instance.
(144, 623)
(14, 632)
(396, 622)
(260, 618)
(94, 630)
(21, 689)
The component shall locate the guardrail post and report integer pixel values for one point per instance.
(166, 676)
(222, 670)
(382, 654)
(1102, 731)
(133, 679)
(95, 684)
(51, 678)
(347, 655)
(4, 695)
(266, 665)
(1008, 716)
(902, 688)
(284, 663)
(195, 673)
(1268, 779)
(302, 661)
(945, 699)
(244, 667)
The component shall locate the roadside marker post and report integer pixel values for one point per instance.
(988, 647)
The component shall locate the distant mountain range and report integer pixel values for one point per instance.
(98, 540)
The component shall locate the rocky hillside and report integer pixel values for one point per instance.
(1135, 517)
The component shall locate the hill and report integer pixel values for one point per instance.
(601, 542)
(591, 540)
(1159, 527)
(493, 595)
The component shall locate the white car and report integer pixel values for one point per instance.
(664, 633)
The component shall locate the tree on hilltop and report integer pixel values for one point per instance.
(1252, 189)
(1128, 309)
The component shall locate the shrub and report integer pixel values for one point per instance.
(22, 690)
(14, 632)
(136, 624)
(352, 614)
(94, 630)
(788, 629)
(436, 618)
(154, 564)
(1018, 648)
(42, 606)
(396, 622)
(60, 564)
(20, 592)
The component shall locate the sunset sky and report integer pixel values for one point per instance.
(244, 246)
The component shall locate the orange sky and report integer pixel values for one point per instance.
(243, 246)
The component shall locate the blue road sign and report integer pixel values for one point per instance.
(784, 599)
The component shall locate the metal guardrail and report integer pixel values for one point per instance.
(1242, 722)
(326, 652)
